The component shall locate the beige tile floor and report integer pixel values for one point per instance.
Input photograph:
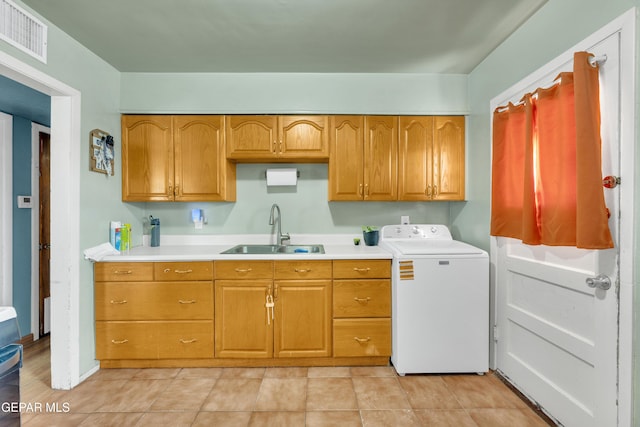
(340, 396)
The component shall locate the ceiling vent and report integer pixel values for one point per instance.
(22, 30)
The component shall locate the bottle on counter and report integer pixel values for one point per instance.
(155, 230)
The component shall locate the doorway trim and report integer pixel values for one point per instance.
(35, 226)
(6, 213)
(65, 214)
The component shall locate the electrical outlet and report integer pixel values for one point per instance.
(404, 219)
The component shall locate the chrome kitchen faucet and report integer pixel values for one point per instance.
(281, 237)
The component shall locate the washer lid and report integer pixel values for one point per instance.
(436, 247)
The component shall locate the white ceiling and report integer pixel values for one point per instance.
(323, 36)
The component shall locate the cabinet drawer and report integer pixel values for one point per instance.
(361, 337)
(362, 298)
(302, 270)
(122, 271)
(362, 269)
(244, 269)
(183, 270)
(185, 340)
(154, 301)
(126, 340)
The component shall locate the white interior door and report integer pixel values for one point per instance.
(557, 337)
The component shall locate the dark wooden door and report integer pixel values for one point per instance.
(44, 195)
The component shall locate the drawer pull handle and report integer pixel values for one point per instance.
(361, 270)
(191, 301)
(362, 340)
(119, 342)
(302, 270)
(124, 301)
(168, 270)
(123, 272)
(243, 270)
(191, 341)
(362, 300)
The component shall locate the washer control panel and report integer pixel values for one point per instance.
(415, 231)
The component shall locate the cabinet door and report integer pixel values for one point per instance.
(242, 328)
(202, 172)
(302, 318)
(303, 137)
(448, 158)
(415, 158)
(147, 158)
(346, 162)
(251, 137)
(380, 158)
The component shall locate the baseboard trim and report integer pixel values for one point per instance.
(26, 340)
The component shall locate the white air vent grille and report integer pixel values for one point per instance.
(22, 30)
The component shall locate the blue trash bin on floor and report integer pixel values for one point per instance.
(10, 364)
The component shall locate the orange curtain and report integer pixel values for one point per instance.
(547, 179)
(592, 214)
(510, 129)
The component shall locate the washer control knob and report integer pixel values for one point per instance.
(434, 230)
(416, 230)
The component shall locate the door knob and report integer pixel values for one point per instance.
(601, 281)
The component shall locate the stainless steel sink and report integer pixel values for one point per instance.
(275, 249)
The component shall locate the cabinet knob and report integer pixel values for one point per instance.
(191, 301)
(124, 301)
(362, 300)
(191, 341)
(362, 340)
(120, 341)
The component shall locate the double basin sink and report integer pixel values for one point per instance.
(275, 249)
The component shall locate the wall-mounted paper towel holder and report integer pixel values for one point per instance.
(282, 177)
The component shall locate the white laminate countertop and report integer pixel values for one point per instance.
(206, 248)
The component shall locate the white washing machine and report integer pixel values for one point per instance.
(440, 301)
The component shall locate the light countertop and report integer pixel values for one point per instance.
(206, 248)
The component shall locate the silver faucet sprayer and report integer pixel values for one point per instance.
(281, 237)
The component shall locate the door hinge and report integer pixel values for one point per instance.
(495, 332)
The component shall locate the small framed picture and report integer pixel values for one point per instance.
(101, 152)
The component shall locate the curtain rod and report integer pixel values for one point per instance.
(597, 60)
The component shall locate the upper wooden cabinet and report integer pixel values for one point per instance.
(175, 158)
(363, 158)
(277, 138)
(431, 158)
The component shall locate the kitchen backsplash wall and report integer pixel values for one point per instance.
(305, 208)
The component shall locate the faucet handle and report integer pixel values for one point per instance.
(283, 237)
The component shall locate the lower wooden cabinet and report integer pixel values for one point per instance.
(302, 320)
(154, 340)
(219, 313)
(362, 337)
(362, 308)
(297, 325)
(154, 311)
(243, 329)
